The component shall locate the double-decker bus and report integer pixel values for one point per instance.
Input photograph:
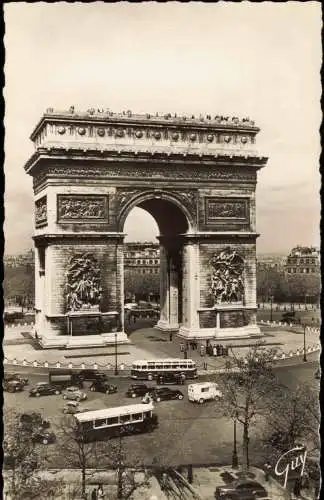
(149, 369)
(112, 422)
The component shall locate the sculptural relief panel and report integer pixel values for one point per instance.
(83, 289)
(226, 277)
(223, 210)
(82, 208)
(41, 212)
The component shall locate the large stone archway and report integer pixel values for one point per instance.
(196, 177)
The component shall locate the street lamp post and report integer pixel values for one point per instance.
(305, 357)
(234, 456)
(116, 365)
(271, 301)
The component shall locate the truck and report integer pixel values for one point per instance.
(203, 391)
(65, 378)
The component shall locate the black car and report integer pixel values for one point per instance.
(165, 394)
(44, 389)
(170, 378)
(136, 390)
(44, 437)
(242, 489)
(91, 374)
(103, 386)
(13, 386)
(8, 377)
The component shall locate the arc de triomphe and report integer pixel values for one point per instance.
(195, 176)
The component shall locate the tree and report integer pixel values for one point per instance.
(22, 460)
(247, 386)
(76, 450)
(142, 285)
(294, 419)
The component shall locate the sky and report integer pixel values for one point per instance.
(259, 60)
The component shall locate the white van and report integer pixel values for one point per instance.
(203, 391)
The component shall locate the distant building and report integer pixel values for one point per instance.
(142, 258)
(268, 262)
(303, 260)
(19, 260)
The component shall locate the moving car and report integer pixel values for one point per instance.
(91, 374)
(72, 407)
(203, 391)
(74, 393)
(165, 394)
(170, 378)
(8, 377)
(241, 489)
(44, 389)
(137, 390)
(13, 386)
(103, 386)
(44, 437)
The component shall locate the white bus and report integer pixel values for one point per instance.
(111, 422)
(148, 369)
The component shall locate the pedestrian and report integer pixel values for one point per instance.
(94, 494)
(267, 468)
(100, 492)
(170, 337)
(214, 350)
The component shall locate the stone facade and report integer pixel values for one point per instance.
(195, 176)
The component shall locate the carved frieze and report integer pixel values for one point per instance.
(226, 277)
(41, 212)
(223, 210)
(75, 208)
(161, 171)
(83, 290)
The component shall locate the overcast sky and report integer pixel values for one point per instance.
(259, 60)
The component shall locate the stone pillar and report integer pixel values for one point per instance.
(191, 287)
(169, 293)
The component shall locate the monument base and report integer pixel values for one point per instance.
(244, 332)
(166, 327)
(81, 341)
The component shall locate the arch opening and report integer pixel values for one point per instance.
(172, 223)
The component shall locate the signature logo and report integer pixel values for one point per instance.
(290, 461)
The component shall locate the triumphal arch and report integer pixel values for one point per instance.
(195, 175)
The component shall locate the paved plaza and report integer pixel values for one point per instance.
(148, 343)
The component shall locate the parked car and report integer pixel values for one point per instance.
(43, 436)
(165, 394)
(91, 374)
(8, 377)
(242, 489)
(74, 393)
(44, 389)
(12, 386)
(170, 378)
(34, 419)
(103, 386)
(137, 390)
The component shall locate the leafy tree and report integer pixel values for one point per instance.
(22, 459)
(294, 419)
(247, 386)
(142, 285)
